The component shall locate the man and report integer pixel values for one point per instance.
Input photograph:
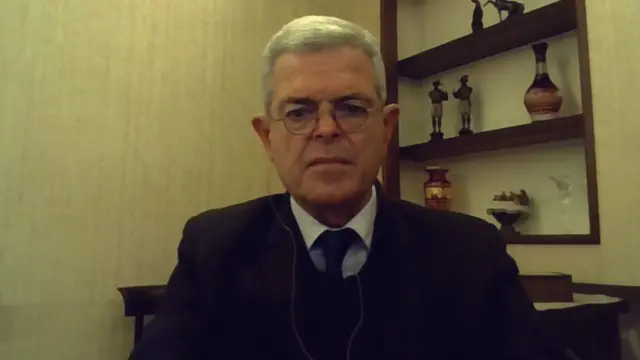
(334, 269)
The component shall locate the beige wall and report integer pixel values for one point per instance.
(118, 120)
(615, 77)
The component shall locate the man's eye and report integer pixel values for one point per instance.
(351, 109)
(301, 113)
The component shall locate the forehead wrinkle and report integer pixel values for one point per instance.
(303, 75)
(342, 85)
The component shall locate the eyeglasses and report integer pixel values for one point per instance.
(302, 119)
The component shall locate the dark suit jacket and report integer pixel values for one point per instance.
(458, 283)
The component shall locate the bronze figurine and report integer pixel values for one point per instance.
(478, 14)
(437, 96)
(513, 8)
(464, 95)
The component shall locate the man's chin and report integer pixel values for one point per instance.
(330, 194)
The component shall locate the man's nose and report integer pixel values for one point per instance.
(326, 126)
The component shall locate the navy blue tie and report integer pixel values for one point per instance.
(335, 244)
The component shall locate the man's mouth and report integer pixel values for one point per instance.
(329, 161)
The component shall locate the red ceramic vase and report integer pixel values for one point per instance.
(437, 189)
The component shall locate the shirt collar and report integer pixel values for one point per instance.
(362, 223)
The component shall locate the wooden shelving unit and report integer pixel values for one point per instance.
(557, 18)
(548, 21)
(538, 132)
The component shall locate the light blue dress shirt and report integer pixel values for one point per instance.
(357, 254)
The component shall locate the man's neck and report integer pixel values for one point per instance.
(339, 214)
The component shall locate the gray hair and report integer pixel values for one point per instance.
(317, 33)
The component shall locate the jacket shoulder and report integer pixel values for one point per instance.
(231, 217)
(447, 227)
(214, 231)
(457, 239)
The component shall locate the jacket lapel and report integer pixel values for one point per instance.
(417, 276)
(391, 284)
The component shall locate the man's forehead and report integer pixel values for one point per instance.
(341, 58)
(323, 74)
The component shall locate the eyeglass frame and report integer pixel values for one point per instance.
(318, 113)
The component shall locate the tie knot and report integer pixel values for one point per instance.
(334, 245)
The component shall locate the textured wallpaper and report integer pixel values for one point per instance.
(119, 119)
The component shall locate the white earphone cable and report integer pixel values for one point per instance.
(293, 294)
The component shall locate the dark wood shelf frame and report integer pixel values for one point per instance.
(545, 22)
(587, 109)
(389, 50)
(548, 21)
(538, 132)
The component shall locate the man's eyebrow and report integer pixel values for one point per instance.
(298, 100)
(355, 96)
(308, 101)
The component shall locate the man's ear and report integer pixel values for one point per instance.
(262, 127)
(391, 115)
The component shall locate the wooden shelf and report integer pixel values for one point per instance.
(545, 22)
(567, 239)
(539, 132)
